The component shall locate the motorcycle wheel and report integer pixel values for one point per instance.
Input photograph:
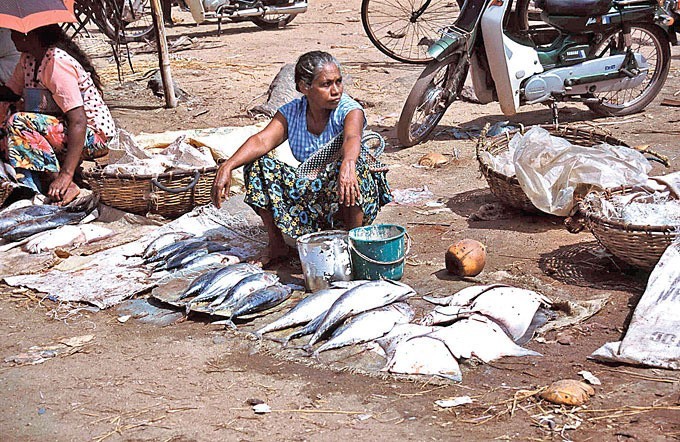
(273, 21)
(437, 87)
(405, 31)
(652, 42)
(141, 29)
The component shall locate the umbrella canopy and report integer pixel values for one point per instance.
(25, 15)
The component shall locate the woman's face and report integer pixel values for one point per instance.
(326, 88)
(25, 42)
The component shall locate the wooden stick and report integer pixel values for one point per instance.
(308, 411)
(641, 376)
(163, 57)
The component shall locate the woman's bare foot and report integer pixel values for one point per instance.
(71, 193)
(272, 255)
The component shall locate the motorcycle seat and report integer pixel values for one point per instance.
(577, 8)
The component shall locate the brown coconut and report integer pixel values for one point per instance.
(432, 160)
(568, 392)
(467, 257)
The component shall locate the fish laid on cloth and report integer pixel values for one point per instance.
(198, 284)
(481, 337)
(11, 218)
(211, 259)
(162, 241)
(368, 326)
(41, 224)
(171, 249)
(261, 300)
(400, 333)
(308, 308)
(223, 281)
(184, 257)
(242, 289)
(512, 308)
(368, 296)
(67, 236)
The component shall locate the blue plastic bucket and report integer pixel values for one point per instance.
(378, 251)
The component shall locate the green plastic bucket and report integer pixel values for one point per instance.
(378, 251)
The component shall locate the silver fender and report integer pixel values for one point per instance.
(510, 62)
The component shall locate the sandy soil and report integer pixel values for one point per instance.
(192, 380)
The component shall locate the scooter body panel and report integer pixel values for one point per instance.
(510, 62)
(197, 10)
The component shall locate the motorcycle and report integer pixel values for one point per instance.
(130, 20)
(612, 55)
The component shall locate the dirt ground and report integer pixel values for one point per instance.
(192, 380)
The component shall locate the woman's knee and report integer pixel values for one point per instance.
(18, 119)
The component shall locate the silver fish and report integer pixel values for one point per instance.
(261, 300)
(304, 331)
(305, 310)
(12, 218)
(243, 288)
(360, 299)
(186, 256)
(162, 241)
(42, 224)
(171, 249)
(368, 326)
(198, 284)
(222, 258)
(481, 337)
(224, 280)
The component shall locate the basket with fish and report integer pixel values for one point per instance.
(495, 157)
(633, 224)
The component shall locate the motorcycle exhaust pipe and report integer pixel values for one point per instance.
(296, 8)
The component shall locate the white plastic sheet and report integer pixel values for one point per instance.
(653, 337)
(552, 171)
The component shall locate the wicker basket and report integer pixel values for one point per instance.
(169, 194)
(639, 246)
(5, 190)
(507, 188)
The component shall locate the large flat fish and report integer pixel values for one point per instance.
(162, 241)
(67, 236)
(261, 300)
(243, 288)
(360, 299)
(11, 218)
(464, 296)
(305, 310)
(368, 326)
(481, 337)
(423, 355)
(41, 224)
(443, 314)
(400, 333)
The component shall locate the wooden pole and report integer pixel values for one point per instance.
(163, 57)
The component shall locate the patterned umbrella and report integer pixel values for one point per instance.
(25, 15)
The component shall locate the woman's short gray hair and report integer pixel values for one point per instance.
(309, 65)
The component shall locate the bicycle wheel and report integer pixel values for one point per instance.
(651, 42)
(404, 29)
(135, 24)
(274, 21)
(437, 87)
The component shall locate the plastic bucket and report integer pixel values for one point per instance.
(379, 251)
(325, 258)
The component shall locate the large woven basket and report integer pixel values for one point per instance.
(169, 194)
(639, 246)
(507, 188)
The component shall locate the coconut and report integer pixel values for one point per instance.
(467, 257)
(432, 160)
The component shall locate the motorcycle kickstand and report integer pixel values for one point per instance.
(555, 113)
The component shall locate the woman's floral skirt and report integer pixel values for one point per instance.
(305, 205)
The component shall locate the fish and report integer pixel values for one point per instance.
(464, 296)
(310, 307)
(224, 280)
(261, 300)
(11, 218)
(481, 337)
(304, 331)
(66, 236)
(169, 250)
(512, 308)
(186, 256)
(162, 241)
(423, 355)
(360, 299)
(198, 284)
(368, 326)
(243, 288)
(400, 333)
(41, 224)
(201, 262)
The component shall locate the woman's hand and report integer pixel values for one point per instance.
(59, 186)
(221, 185)
(348, 185)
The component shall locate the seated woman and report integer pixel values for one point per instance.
(65, 119)
(344, 193)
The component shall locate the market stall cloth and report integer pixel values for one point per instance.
(108, 277)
